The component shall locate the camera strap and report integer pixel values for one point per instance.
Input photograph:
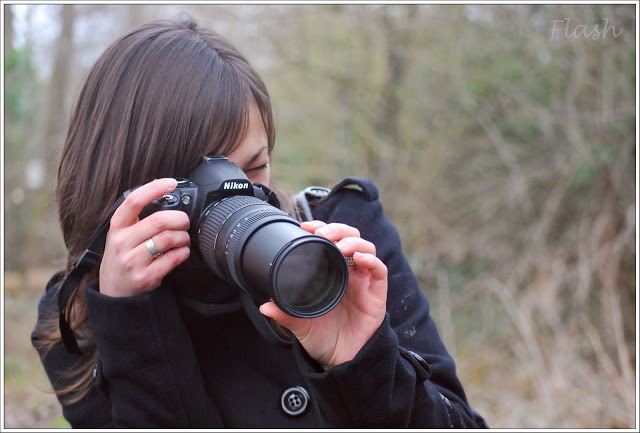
(260, 322)
(305, 198)
(85, 264)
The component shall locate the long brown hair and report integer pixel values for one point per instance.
(156, 101)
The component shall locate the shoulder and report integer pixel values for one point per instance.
(356, 202)
(49, 300)
(318, 202)
(47, 307)
(347, 199)
(360, 187)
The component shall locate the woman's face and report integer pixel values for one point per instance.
(252, 155)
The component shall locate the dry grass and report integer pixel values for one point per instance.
(542, 324)
(29, 403)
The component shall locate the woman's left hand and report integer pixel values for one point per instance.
(337, 336)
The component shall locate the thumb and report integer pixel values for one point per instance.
(293, 324)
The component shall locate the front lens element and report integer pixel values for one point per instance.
(311, 278)
(304, 275)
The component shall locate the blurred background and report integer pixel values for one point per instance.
(501, 137)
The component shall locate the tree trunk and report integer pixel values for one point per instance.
(57, 114)
(50, 144)
(8, 29)
(397, 31)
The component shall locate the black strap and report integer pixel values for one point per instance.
(260, 321)
(269, 195)
(86, 263)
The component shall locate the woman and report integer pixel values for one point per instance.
(167, 344)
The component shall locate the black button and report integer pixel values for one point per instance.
(98, 378)
(423, 370)
(294, 400)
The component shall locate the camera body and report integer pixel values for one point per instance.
(214, 179)
(246, 239)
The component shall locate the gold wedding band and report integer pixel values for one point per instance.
(151, 247)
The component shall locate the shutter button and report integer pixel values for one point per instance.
(294, 400)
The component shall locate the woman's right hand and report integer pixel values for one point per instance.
(127, 267)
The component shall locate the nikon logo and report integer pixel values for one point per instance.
(235, 185)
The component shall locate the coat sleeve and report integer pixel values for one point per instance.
(149, 367)
(147, 374)
(380, 387)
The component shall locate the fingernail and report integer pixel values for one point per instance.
(323, 231)
(171, 182)
(341, 245)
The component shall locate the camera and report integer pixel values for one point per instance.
(242, 235)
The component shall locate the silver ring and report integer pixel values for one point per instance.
(151, 247)
(350, 261)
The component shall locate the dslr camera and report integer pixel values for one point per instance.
(242, 234)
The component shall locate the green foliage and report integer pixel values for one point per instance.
(19, 73)
(60, 422)
(19, 98)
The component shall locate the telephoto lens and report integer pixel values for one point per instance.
(264, 251)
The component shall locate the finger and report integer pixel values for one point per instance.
(127, 213)
(350, 245)
(371, 263)
(296, 325)
(337, 231)
(160, 267)
(166, 240)
(312, 226)
(158, 222)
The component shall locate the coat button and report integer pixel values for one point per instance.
(294, 400)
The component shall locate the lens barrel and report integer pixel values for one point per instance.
(264, 251)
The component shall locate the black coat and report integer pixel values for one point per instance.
(177, 357)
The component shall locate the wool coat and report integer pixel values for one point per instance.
(192, 357)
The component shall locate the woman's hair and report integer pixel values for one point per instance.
(155, 102)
